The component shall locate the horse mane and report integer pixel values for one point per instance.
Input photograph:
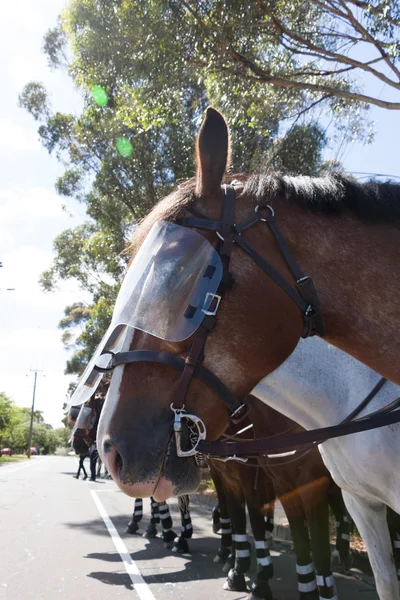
(330, 193)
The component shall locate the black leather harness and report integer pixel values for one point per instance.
(303, 293)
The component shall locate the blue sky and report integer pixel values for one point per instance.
(31, 214)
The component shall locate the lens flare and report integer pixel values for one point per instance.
(99, 95)
(124, 147)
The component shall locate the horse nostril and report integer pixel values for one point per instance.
(118, 462)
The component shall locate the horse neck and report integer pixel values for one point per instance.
(353, 264)
(319, 385)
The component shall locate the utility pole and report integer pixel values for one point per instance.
(35, 371)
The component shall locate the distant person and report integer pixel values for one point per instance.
(94, 455)
(81, 466)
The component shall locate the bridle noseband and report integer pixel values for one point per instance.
(303, 294)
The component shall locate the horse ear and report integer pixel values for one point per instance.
(212, 152)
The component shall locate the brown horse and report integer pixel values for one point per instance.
(305, 488)
(86, 422)
(343, 234)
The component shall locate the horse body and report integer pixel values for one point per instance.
(319, 385)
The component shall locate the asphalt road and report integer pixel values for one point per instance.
(63, 538)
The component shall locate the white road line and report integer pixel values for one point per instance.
(18, 468)
(137, 580)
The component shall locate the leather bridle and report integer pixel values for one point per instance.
(303, 293)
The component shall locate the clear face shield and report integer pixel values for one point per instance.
(84, 418)
(166, 293)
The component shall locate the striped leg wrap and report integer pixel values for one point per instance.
(155, 514)
(326, 587)
(226, 532)
(166, 523)
(306, 580)
(242, 552)
(343, 529)
(186, 525)
(138, 510)
(216, 515)
(263, 560)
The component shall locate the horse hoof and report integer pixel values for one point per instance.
(222, 555)
(132, 527)
(151, 532)
(180, 546)
(260, 590)
(235, 583)
(227, 567)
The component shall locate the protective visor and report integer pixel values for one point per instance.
(84, 418)
(167, 291)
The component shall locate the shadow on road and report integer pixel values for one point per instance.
(113, 578)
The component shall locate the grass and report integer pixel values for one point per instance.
(10, 459)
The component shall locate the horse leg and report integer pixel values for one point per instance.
(225, 549)
(166, 522)
(236, 576)
(318, 523)
(393, 520)
(136, 517)
(151, 530)
(255, 500)
(180, 544)
(216, 518)
(343, 526)
(372, 524)
(269, 523)
(305, 569)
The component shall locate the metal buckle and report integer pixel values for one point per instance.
(257, 208)
(195, 436)
(211, 313)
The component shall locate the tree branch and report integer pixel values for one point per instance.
(359, 27)
(373, 10)
(323, 52)
(264, 77)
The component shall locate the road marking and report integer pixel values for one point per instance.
(19, 468)
(131, 568)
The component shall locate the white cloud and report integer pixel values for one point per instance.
(22, 69)
(31, 338)
(22, 269)
(27, 204)
(16, 138)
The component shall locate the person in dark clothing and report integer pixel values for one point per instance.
(81, 466)
(93, 460)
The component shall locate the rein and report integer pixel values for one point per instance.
(284, 443)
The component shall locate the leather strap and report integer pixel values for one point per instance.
(196, 353)
(366, 400)
(285, 443)
(272, 272)
(171, 360)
